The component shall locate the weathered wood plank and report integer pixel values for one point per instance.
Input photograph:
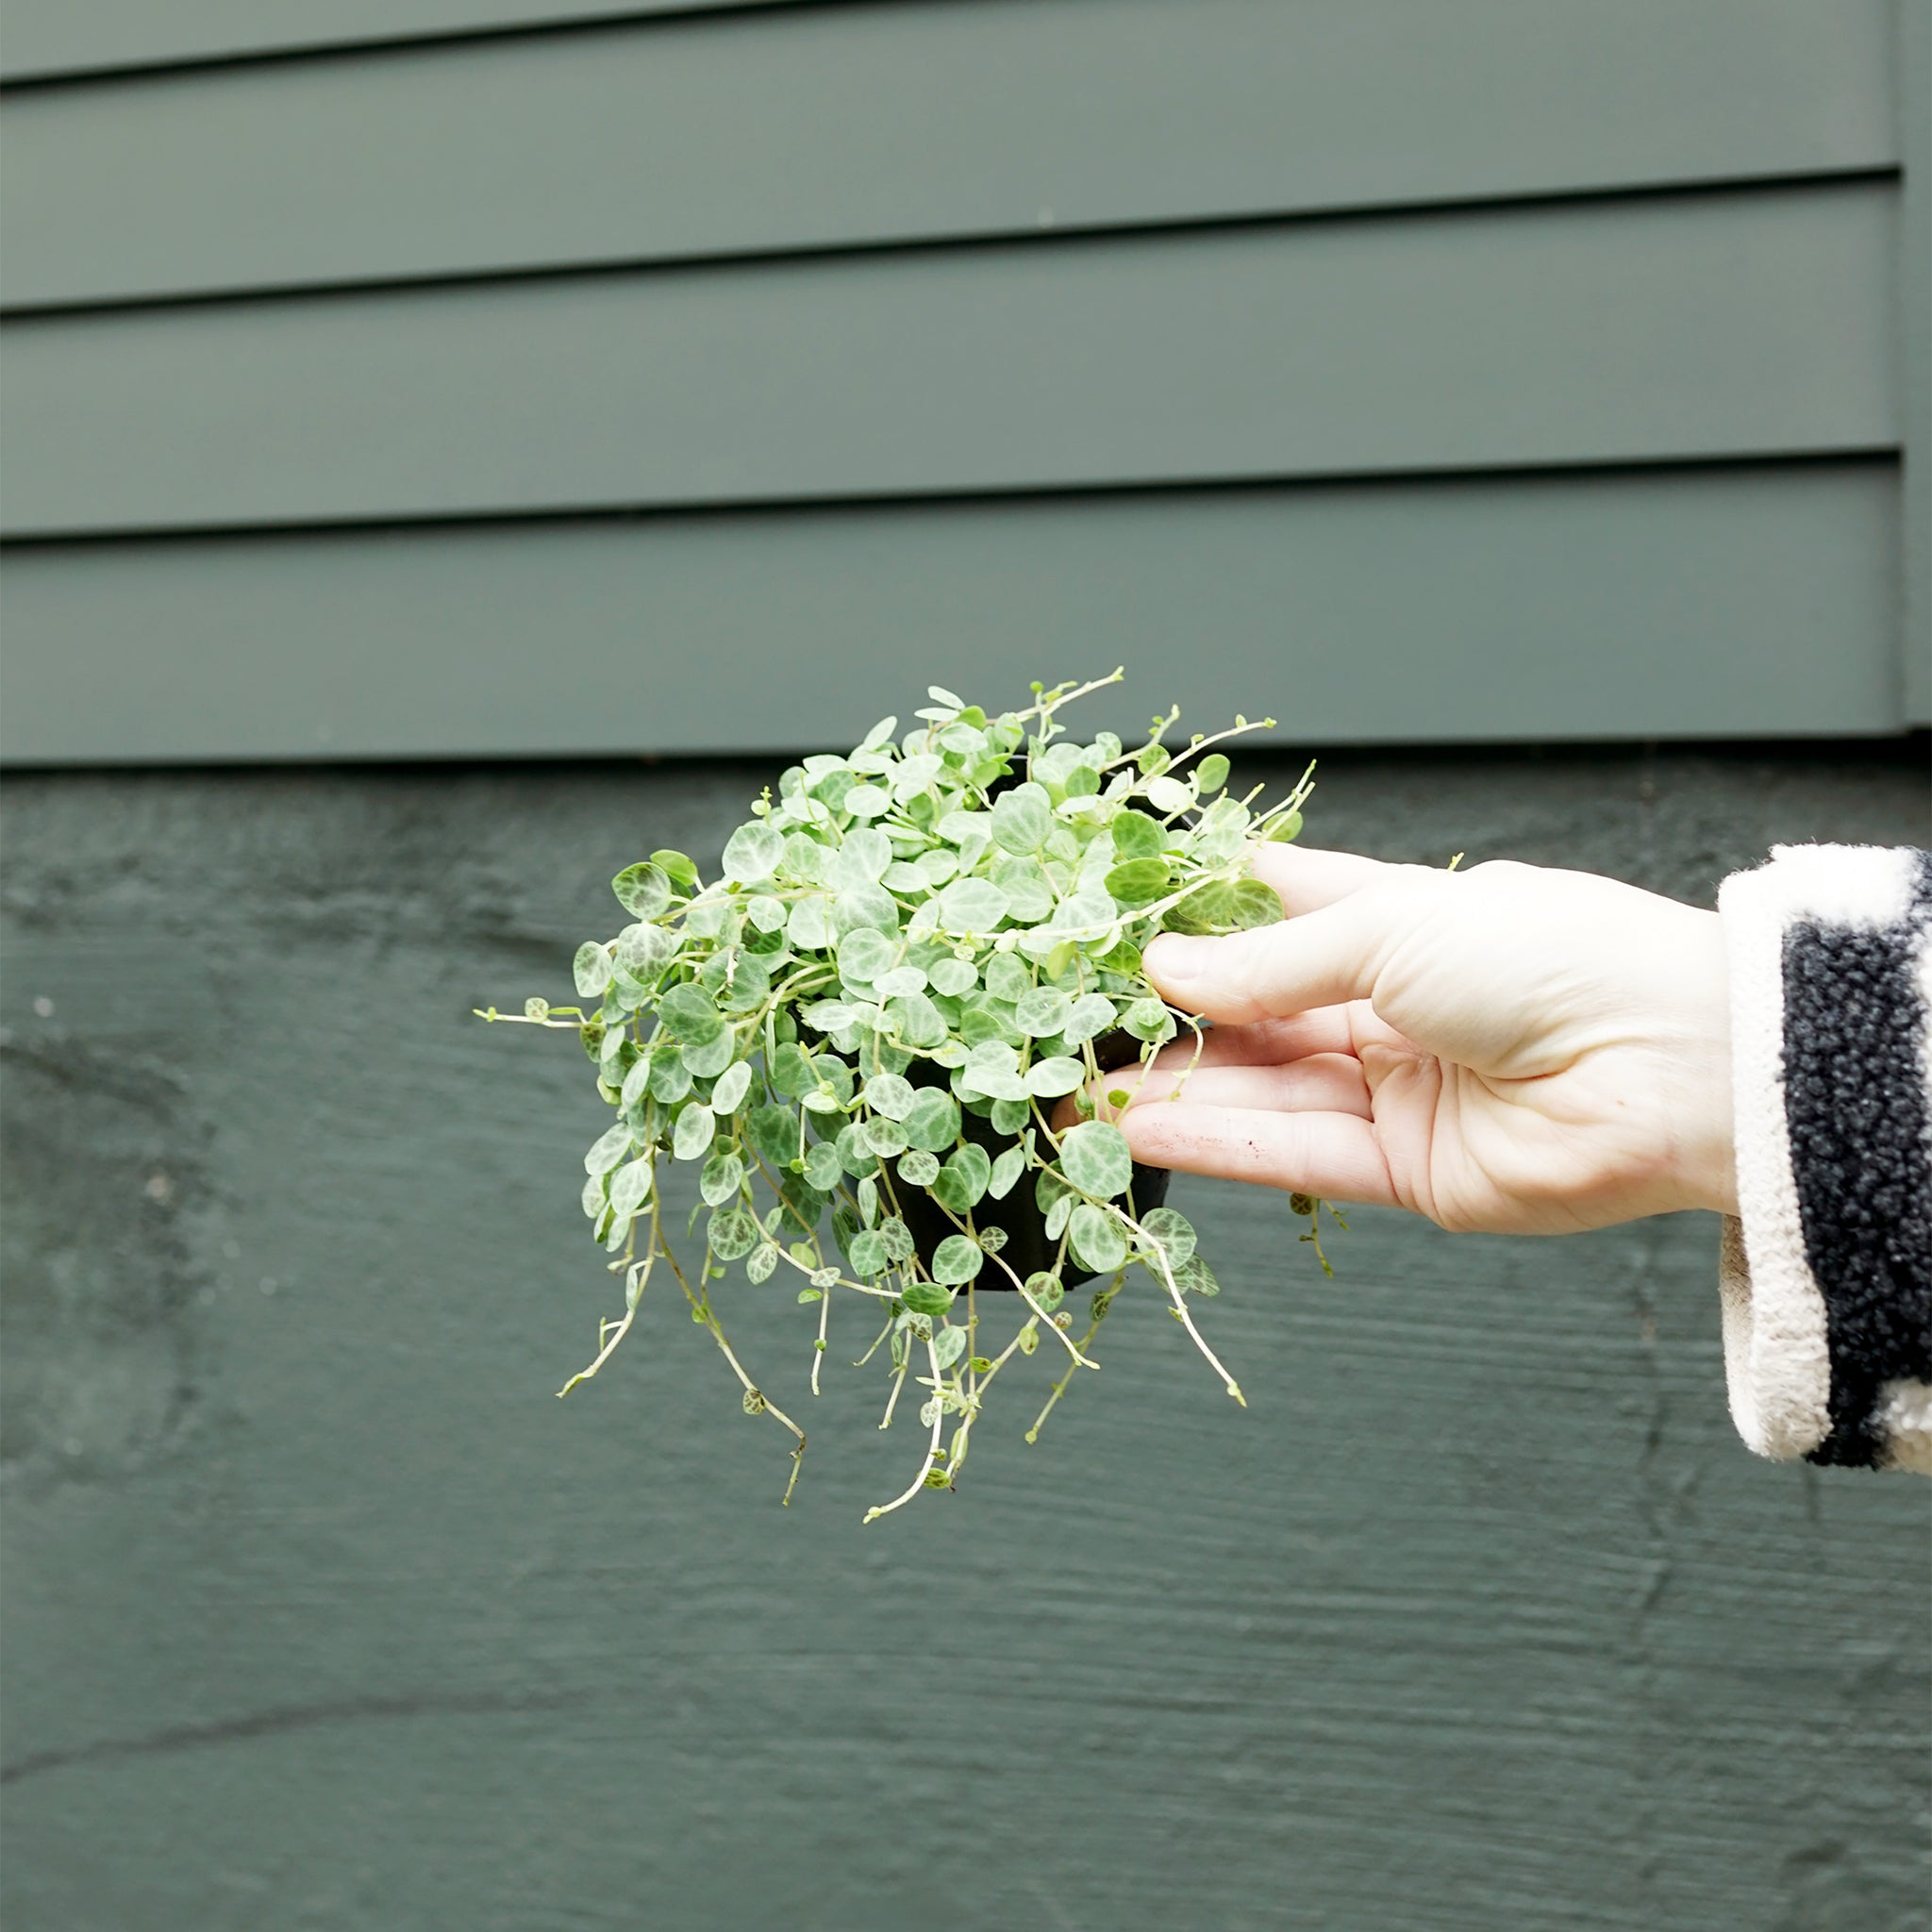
(1699, 603)
(1727, 325)
(827, 127)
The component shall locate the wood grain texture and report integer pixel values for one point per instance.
(1677, 328)
(833, 128)
(1714, 603)
(320, 1609)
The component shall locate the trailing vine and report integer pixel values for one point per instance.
(912, 956)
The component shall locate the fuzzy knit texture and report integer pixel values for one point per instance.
(1827, 1272)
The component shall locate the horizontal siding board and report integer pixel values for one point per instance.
(882, 124)
(1695, 327)
(1700, 603)
(39, 39)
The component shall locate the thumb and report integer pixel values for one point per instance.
(1319, 959)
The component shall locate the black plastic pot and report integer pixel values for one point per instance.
(1027, 1249)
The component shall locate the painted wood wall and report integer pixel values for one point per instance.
(441, 378)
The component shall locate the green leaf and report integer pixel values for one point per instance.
(1006, 1172)
(629, 1186)
(1092, 1015)
(862, 859)
(864, 954)
(956, 1260)
(1138, 881)
(1210, 774)
(1169, 796)
(734, 1083)
(924, 1298)
(1030, 897)
(897, 1237)
(1096, 1238)
(721, 1178)
(1046, 1289)
(972, 905)
(868, 1256)
(643, 891)
(933, 1123)
(953, 976)
(753, 852)
(1149, 1020)
(608, 1149)
(918, 1169)
(645, 950)
(1094, 1156)
(1256, 905)
(1009, 1116)
(792, 1072)
(885, 1137)
(1052, 1078)
(1194, 1276)
(891, 1094)
(690, 1015)
(822, 1166)
(1041, 1011)
(1172, 1232)
(1007, 977)
(1137, 836)
(674, 865)
(692, 1136)
(1058, 1214)
(917, 1021)
(857, 1154)
(709, 1056)
(1023, 818)
(960, 1184)
(773, 1130)
(811, 1294)
(670, 1078)
(809, 929)
(1287, 827)
(732, 1232)
(948, 1345)
(1225, 906)
(592, 969)
(760, 1265)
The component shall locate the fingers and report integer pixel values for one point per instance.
(1308, 878)
(1274, 1042)
(1267, 1042)
(1320, 1083)
(1319, 959)
(1334, 1155)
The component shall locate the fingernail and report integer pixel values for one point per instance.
(1173, 956)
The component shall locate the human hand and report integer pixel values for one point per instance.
(1509, 1048)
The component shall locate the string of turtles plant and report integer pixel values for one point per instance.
(911, 955)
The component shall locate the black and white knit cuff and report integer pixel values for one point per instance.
(1826, 1273)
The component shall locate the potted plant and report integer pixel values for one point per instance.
(912, 956)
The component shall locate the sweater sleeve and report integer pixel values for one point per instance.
(1825, 1274)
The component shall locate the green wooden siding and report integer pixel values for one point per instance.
(1701, 602)
(935, 287)
(839, 126)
